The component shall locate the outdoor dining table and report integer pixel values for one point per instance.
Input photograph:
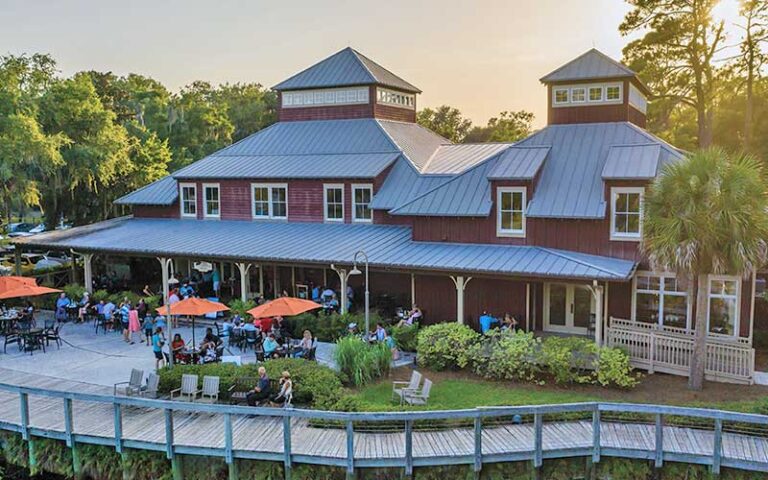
(33, 339)
(7, 320)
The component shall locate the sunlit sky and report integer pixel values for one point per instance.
(482, 56)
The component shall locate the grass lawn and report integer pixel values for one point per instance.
(458, 390)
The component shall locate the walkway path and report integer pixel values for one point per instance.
(261, 436)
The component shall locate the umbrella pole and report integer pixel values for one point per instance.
(193, 333)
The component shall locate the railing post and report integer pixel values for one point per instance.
(118, 428)
(537, 427)
(596, 434)
(228, 438)
(287, 446)
(478, 443)
(718, 444)
(408, 448)
(659, 459)
(169, 433)
(350, 448)
(68, 427)
(652, 352)
(24, 406)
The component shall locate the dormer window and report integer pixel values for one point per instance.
(510, 206)
(578, 95)
(613, 92)
(595, 94)
(627, 213)
(561, 95)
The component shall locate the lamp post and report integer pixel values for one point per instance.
(356, 271)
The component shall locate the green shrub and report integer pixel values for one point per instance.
(613, 368)
(445, 345)
(100, 295)
(567, 358)
(153, 301)
(313, 384)
(506, 356)
(118, 298)
(74, 291)
(239, 307)
(361, 362)
(327, 328)
(406, 337)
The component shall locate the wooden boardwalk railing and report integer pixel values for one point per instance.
(392, 439)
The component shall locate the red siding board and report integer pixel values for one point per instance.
(156, 211)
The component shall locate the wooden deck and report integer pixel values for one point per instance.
(289, 435)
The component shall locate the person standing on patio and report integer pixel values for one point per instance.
(157, 347)
(216, 278)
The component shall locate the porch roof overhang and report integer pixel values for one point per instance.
(388, 247)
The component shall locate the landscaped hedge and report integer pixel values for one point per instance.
(328, 328)
(521, 356)
(313, 384)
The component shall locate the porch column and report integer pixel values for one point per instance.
(597, 292)
(17, 260)
(165, 265)
(343, 277)
(527, 307)
(244, 268)
(413, 290)
(261, 280)
(461, 283)
(87, 271)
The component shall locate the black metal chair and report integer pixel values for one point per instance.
(52, 334)
(10, 338)
(252, 339)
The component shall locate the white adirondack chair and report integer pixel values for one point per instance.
(210, 392)
(150, 389)
(399, 388)
(419, 397)
(188, 390)
(133, 386)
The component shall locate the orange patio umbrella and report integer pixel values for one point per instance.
(17, 287)
(194, 307)
(283, 307)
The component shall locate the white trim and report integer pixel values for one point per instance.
(737, 320)
(501, 232)
(361, 186)
(661, 292)
(206, 186)
(332, 186)
(621, 236)
(569, 102)
(570, 299)
(181, 199)
(270, 203)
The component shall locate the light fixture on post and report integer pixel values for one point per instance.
(356, 271)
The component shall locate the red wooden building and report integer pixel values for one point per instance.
(547, 229)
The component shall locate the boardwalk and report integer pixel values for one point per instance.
(230, 432)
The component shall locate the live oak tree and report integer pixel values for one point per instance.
(752, 58)
(507, 127)
(446, 121)
(675, 56)
(707, 214)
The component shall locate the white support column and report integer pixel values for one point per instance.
(343, 276)
(597, 292)
(413, 290)
(461, 283)
(87, 272)
(243, 268)
(261, 280)
(527, 307)
(293, 281)
(165, 264)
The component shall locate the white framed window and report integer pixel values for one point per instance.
(333, 202)
(269, 200)
(326, 96)
(188, 201)
(211, 200)
(578, 95)
(662, 299)
(361, 203)
(723, 304)
(613, 93)
(627, 213)
(511, 204)
(595, 94)
(392, 97)
(561, 95)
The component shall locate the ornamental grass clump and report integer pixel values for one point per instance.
(360, 362)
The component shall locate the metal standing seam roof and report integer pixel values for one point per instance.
(417, 143)
(159, 192)
(570, 183)
(345, 68)
(321, 243)
(632, 162)
(403, 184)
(519, 163)
(455, 159)
(591, 64)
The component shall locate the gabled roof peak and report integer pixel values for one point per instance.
(591, 64)
(346, 67)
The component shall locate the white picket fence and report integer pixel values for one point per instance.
(669, 350)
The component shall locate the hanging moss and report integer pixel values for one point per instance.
(100, 462)
(147, 465)
(14, 449)
(53, 456)
(204, 468)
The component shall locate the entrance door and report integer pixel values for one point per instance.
(567, 308)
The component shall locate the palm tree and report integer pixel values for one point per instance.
(707, 214)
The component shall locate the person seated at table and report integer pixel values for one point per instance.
(286, 389)
(509, 322)
(211, 340)
(61, 307)
(208, 355)
(331, 305)
(327, 294)
(280, 329)
(379, 334)
(109, 312)
(271, 347)
(316, 294)
(390, 342)
(157, 347)
(304, 346)
(178, 348)
(251, 327)
(265, 324)
(486, 321)
(414, 316)
(261, 391)
(83, 307)
(352, 329)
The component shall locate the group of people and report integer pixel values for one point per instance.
(487, 321)
(274, 336)
(378, 334)
(262, 391)
(328, 298)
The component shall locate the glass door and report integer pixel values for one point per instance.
(567, 308)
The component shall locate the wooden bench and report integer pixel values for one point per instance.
(242, 386)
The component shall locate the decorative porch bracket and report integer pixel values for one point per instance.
(87, 271)
(243, 268)
(461, 283)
